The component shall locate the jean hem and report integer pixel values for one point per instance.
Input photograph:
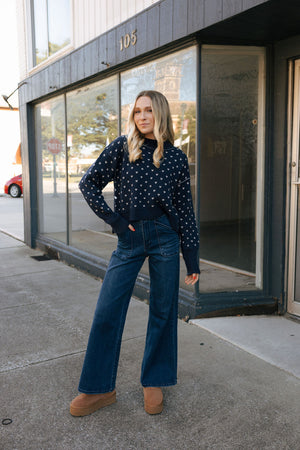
(171, 383)
(97, 391)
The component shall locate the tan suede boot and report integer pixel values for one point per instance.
(153, 400)
(85, 404)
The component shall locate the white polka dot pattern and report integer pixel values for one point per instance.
(142, 191)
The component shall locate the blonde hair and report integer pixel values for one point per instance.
(163, 127)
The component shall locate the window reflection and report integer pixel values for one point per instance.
(51, 157)
(175, 77)
(40, 30)
(92, 124)
(231, 156)
(230, 123)
(58, 24)
(51, 27)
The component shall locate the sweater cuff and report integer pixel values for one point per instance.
(118, 223)
(190, 256)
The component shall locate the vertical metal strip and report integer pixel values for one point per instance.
(119, 105)
(198, 151)
(289, 263)
(31, 222)
(260, 170)
(68, 222)
(293, 303)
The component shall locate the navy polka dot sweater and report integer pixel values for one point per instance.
(144, 192)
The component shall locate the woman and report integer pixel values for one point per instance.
(153, 213)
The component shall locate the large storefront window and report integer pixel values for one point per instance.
(174, 76)
(231, 161)
(51, 160)
(92, 123)
(230, 156)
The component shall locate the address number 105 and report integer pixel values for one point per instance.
(127, 40)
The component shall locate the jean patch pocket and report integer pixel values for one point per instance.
(168, 239)
(125, 244)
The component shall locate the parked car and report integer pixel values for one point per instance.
(14, 186)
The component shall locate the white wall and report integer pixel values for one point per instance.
(93, 17)
(9, 73)
(22, 39)
(9, 77)
(10, 139)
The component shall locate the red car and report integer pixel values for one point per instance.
(14, 186)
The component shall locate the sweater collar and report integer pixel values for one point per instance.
(152, 143)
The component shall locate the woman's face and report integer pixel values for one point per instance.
(143, 117)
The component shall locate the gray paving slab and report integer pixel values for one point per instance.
(7, 241)
(33, 333)
(18, 260)
(273, 338)
(226, 398)
(63, 292)
(11, 216)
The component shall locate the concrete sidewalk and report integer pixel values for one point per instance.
(226, 397)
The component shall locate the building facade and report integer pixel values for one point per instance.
(231, 73)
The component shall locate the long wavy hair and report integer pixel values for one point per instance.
(163, 127)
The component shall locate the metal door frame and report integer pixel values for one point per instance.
(293, 179)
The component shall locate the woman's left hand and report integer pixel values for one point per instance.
(192, 279)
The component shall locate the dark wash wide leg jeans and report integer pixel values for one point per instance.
(158, 241)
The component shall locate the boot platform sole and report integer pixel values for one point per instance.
(80, 411)
(157, 409)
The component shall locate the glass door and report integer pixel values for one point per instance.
(232, 164)
(294, 240)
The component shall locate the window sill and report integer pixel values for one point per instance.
(58, 55)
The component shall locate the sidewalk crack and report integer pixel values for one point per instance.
(35, 363)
